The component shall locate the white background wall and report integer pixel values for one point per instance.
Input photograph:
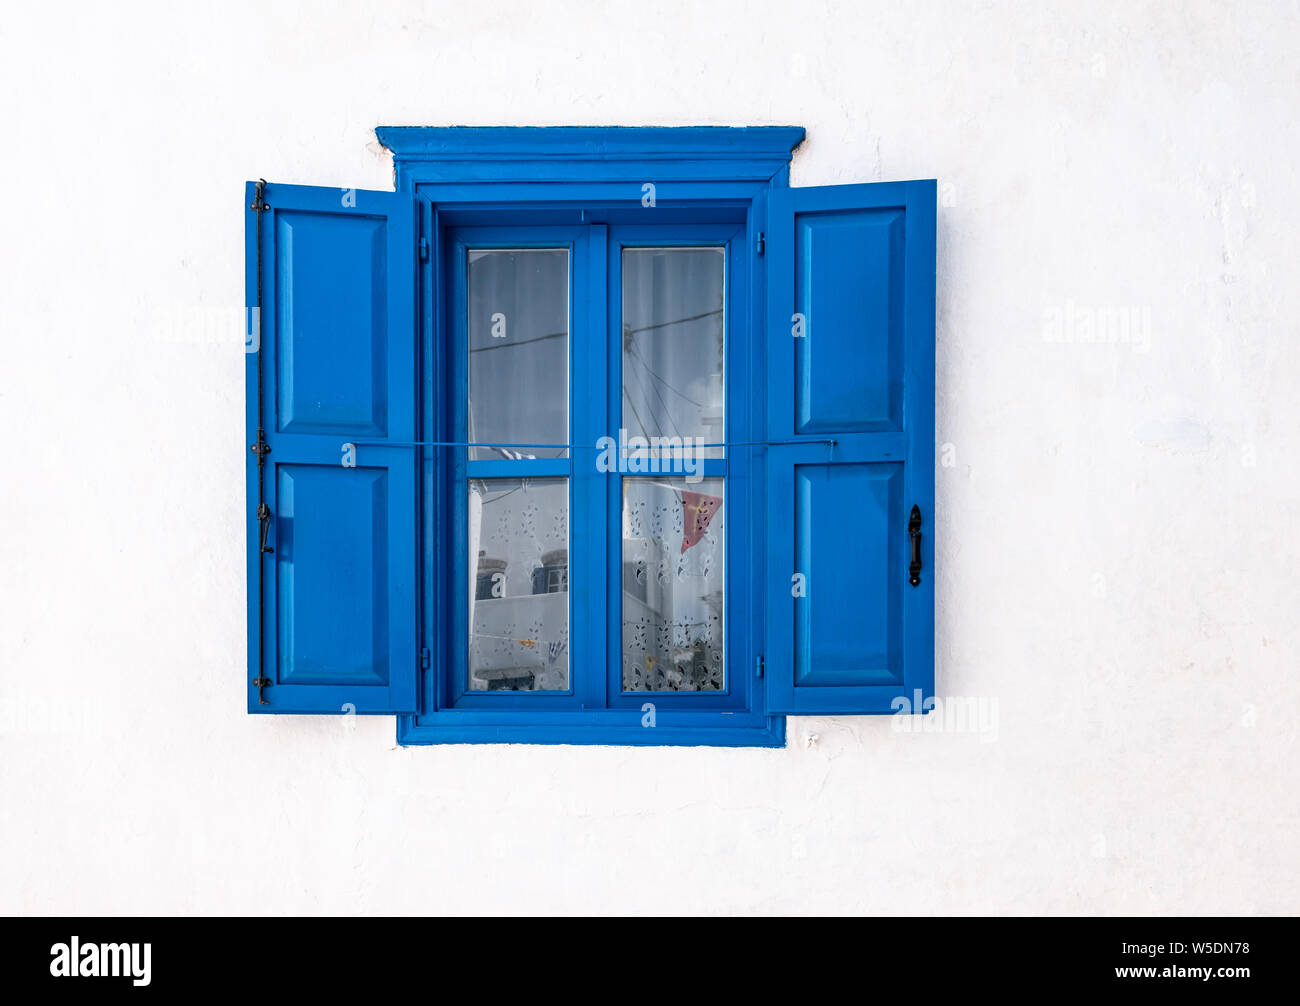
(1117, 548)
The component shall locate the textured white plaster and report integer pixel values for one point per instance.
(1116, 526)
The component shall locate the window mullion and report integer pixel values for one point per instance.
(590, 385)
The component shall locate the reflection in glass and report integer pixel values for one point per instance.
(672, 343)
(519, 585)
(518, 350)
(673, 557)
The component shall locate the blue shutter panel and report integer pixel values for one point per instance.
(850, 359)
(334, 614)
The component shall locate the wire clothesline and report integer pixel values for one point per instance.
(662, 451)
(626, 332)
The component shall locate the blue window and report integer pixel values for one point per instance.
(589, 435)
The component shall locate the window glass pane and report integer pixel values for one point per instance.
(519, 585)
(672, 343)
(518, 350)
(673, 563)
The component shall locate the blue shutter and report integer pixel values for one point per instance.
(852, 268)
(333, 605)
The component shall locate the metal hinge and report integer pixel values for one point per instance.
(424, 249)
(424, 658)
(259, 203)
(264, 519)
(261, 448)
(758, 667)
(761, 243)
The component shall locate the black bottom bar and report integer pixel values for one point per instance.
(337, 955)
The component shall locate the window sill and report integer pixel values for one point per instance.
(618, 728)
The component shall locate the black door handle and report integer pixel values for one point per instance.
(914, 532)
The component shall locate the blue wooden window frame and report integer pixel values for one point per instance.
(857, 260)
(584, 189)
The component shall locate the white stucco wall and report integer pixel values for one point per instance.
(1117, 549)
